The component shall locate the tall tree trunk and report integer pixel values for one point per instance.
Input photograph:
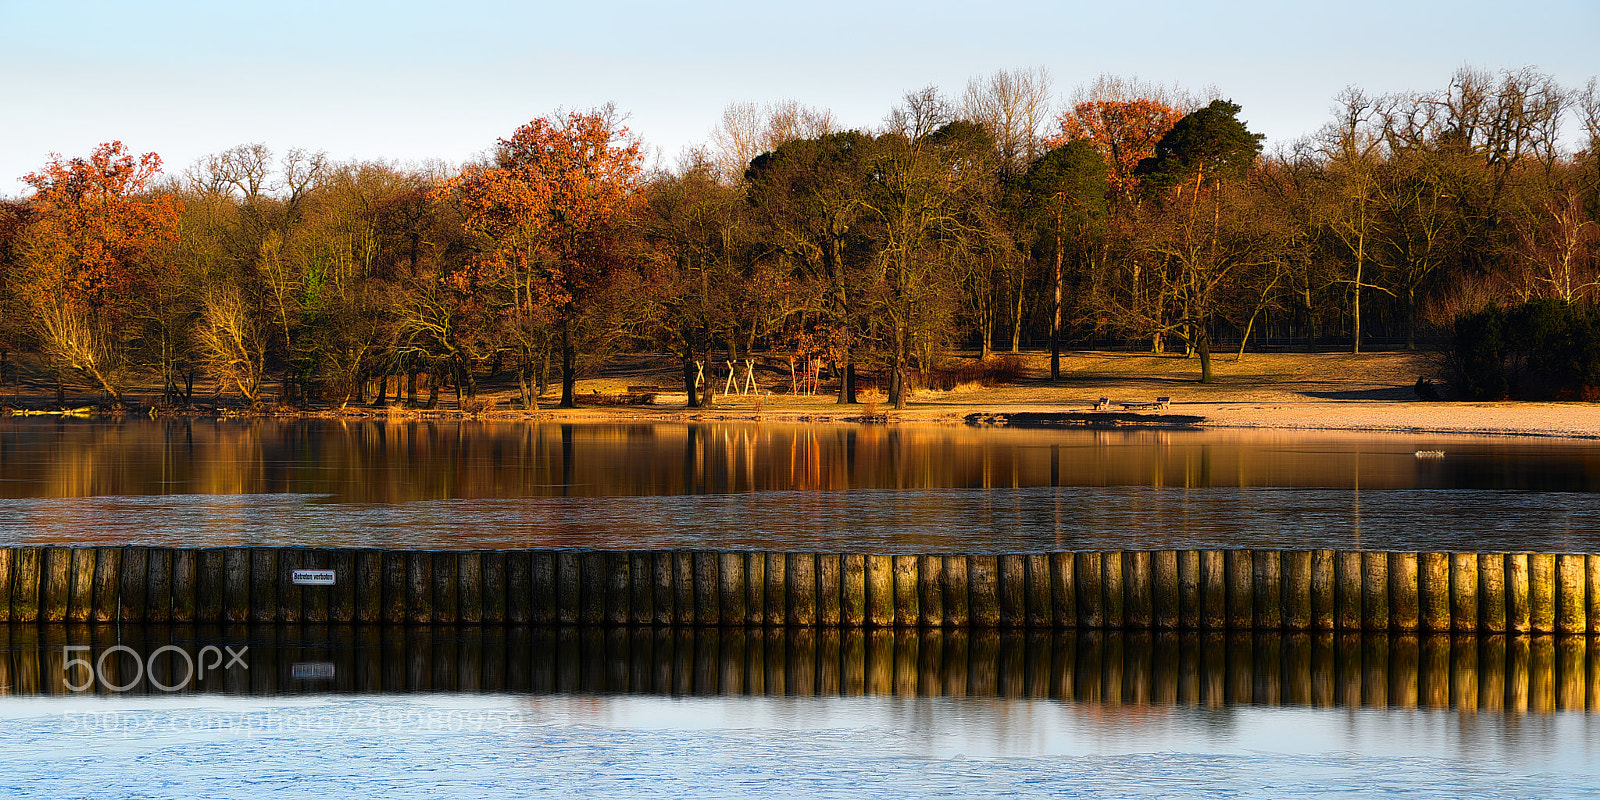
(1055, 316)
(569, 366)
(1203, 347)
(1016, 322)
(688, 378)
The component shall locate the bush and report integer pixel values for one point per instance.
(1540, 350)
(996, 370)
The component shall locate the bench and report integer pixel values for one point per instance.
(1160, 404)
(1103, 404)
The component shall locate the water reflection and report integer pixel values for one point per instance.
(1516, 674)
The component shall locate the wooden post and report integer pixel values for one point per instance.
(289, 593)
(1433, 591)
(7, 568)
(1324, 590)
(367, 580)
(1064, 589)
(706, 588)
(495, 564)
(1374, 591)
(28, 564)
(1013, 591)
(983, 590)
(777, 589)
(519, 588)
(733, 589)
(1038, 590)
(1347, 590)
(315, 600)
(880, 591)
(342, 596)
(1519, 611)
(930, 591)
(263, 584)
(1138, 589)
(107, 583)
(1542, 592)
(1164, 590)
(419, 587)
(1113, 590)
(469, 587)
(199, 579)
(907, 609)
(853, 589)
(1571, 598)
(1297, 590)
(80, 600)
(1478, 593)
(235, 585)
(1213, 590)
(1405, 605)
(396, 565)
(619, 587)
(1087, 576)
(957, 597)
(594, 579)
(1267, 577)
(830, 590)
(755, 588)
(568, 587)
(802, 589)
(662, 571)
(1240, 589)
(133, 584)
(1592, 588)
(57, 584)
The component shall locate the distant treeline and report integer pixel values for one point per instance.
(985, 221)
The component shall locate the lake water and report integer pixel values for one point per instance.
(821, 487)
(448, 712)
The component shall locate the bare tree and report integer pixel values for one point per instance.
(749, 129)
(1013, 106)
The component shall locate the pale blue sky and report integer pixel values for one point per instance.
(408, 80)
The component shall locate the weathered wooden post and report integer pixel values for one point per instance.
(469, 587)
(1267, 577)
(1013, 587)
(1064, 589)
(594, 580)
(237, 584)
(1433, 591)
(1297, 590)
(419, 587)
(880, 590)
(107, 579)
(199, 584)
(1324, 590)
(983, 586)
(1374, 591)
(1113, 590)
(568, 592)
(907, 610)
(1591, 583)
(663, 567)
(27, 564)
(957, 596)
(1542, 592)
(80, 600)
(368, 583)
(734, 592)
(1571, 595)
(930, 590)
(707, 591)
(57, 584)
(1405, 610)
(1039, 591)
(802, 589)
(1164, 591)
(133, 584)
(1086, 573)
(853, 590)
(1478, 605)
(1139, 589)
(1519, 610)
(1347, 591)
(342, 597)
(1240, 589)
(289, 592)
(396, 606)
(494, 565)
(830, 590)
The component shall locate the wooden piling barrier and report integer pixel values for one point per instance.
(1213, 590)
(1268, 578)
(1519, 612)
(930, 591)
(957, 595)
(880, 591)
(199, 585)
(1433, 591)
(1113, 589)
(1296, 593)
(1347, 590)
(80, 598)
(983, 590)
(1165, 605)
(1542, 592)
(1478, 605)
(801, 587)
(853, 590)
(594, 581)
(777, 589)
(1240, 589)
(1064, 589)
(27, 566)
(1571, 596)
(469, 588)
(1013, 585)
(733, 594)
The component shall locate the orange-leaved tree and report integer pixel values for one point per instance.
(554, 210)
(88, 256)
(1123, 132)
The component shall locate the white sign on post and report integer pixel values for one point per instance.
(311, 577)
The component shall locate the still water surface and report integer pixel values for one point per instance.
(823, 487)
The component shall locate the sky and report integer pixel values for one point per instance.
(408, 81)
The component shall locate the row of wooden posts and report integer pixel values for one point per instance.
(1134, 589)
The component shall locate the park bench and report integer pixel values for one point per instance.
(1160, 404)
(1103, 404)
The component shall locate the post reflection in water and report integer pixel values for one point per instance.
(1499, 674)
(883, 488)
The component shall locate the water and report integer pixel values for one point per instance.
(822, 487)
(468, 712)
